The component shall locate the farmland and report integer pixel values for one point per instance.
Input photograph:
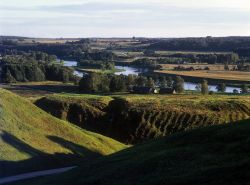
(212, 67)
(233, 76)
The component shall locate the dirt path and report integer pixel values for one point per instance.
(34, 174)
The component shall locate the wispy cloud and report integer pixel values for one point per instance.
(119, 18)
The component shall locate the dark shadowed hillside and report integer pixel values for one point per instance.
(207, 156)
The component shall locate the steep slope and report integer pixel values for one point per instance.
(28, 135)
(207, 156)
(88, 111)
(134, 118)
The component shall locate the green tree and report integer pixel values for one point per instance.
(90, 83)
(221, 87)
(65, 77)
(104, 83)
(117, 84)
(244, 89)
(235, 91)
(204, 87)
(150, 82)
(8, 77)
(141, 81)
(179, 84)
(226, 66)
(130, 79)
(163, 82)
(169, 81)
(234, 58)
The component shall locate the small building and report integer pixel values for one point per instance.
(167, 91)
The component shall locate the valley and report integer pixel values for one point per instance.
(124, 111)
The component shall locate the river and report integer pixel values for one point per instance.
(126, 70)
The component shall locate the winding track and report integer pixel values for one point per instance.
(34, 174)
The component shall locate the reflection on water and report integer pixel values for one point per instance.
(192, 86)
(126, 70)
(69, 63)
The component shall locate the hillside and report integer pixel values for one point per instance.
(207, 156)
(28, 135)
(134, 118)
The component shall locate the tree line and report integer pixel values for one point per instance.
(34, 66)
(97, 82)
(237, 44)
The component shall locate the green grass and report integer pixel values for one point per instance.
(27, 132)
(133, 118)
(208, 156)
(106, 71)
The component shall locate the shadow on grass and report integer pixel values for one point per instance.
(39, 160)
(74, 148)
(52, 88)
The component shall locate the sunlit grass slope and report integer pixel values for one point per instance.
(27, 132)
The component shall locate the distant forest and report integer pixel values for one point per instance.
(240, 45)
(74, 50)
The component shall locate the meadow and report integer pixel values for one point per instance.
(231, 76)
(212, 67)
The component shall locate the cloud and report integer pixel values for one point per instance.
(135, 16)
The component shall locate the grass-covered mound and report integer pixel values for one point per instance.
(32, 139)
(207, 156)
(140, 117)
(133, 118)
(88, 111)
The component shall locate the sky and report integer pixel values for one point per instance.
(124, 18)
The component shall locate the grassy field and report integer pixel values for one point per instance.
(133, 118)
(189, 52)
(207, 156)
(45, 40)
(223, 75)
(28, 134)
(35, 90)
(212, 67)
(98, 70)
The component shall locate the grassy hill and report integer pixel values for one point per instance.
(133, 118)
(207, 156)
(28, 135)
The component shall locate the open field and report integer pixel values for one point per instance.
(38, 89)
(212, 67)
(98, 70)
(45, 40)
(189, 52)
(221, 75)
(28, 135)
(207, 156)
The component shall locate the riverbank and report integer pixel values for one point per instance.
(190, 81)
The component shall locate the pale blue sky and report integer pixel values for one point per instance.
(119, 18)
